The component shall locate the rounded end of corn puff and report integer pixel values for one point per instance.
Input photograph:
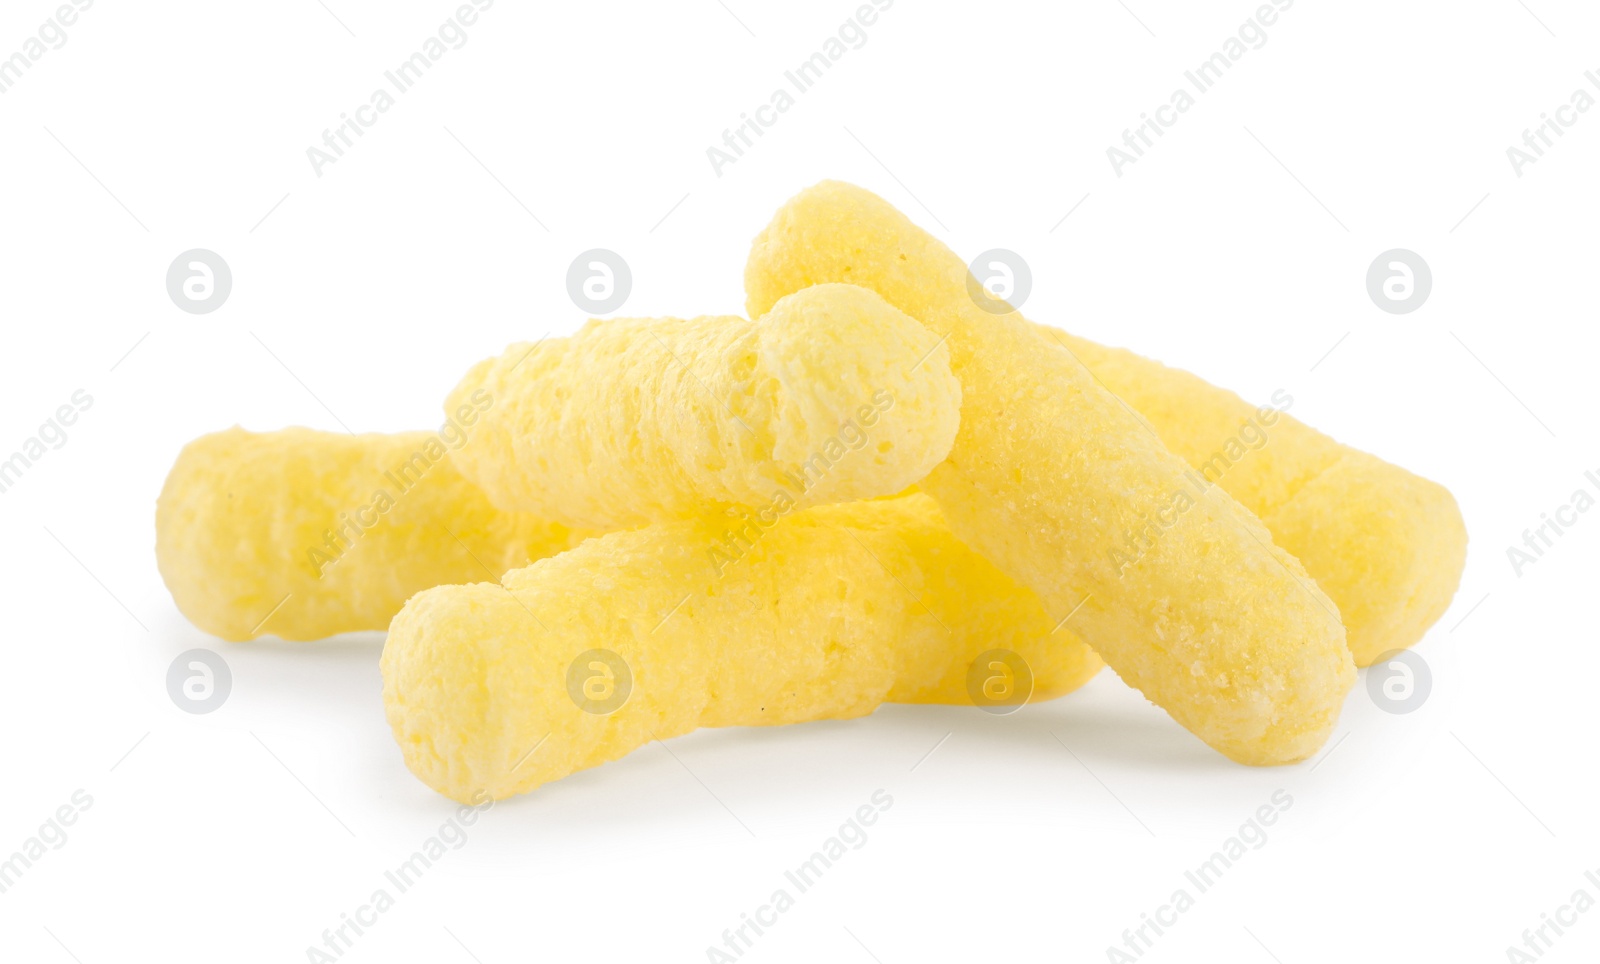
(1388, 544)
(463, 683)
(864, 403)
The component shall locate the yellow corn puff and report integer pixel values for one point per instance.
(633, 636)
(834, 396)
(1386, 546)
(1058, 482)
(303, 534)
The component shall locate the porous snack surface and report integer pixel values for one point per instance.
(831, 612)
(303, 534)
(835, 395)
(1050, 472)
(1387, 546)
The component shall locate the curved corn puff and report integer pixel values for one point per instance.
(834, 396)
(830, 613)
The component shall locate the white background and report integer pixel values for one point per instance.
(1237, 248)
